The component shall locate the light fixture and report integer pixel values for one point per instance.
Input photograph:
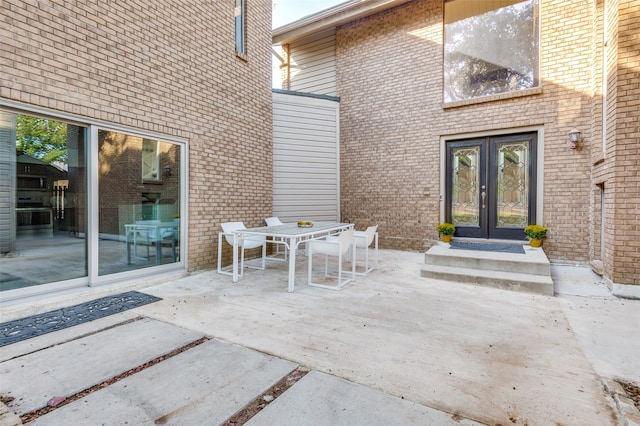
(167, 171)
(574, 138)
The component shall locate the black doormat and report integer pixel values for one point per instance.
(502, 248)
(37, 325)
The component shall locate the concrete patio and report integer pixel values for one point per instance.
(419, 350)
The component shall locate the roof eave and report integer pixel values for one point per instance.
(331, 18)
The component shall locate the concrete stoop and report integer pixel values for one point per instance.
(529, 272)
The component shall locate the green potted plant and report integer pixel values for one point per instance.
(536, 233)
(446, 231)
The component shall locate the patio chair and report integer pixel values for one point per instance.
(336, 246)
(274, 221)
(363, 239)
(243, 243)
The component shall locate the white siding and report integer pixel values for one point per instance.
(306, 171)
(313, 64)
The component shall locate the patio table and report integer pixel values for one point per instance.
(289, 234)
(154, 233)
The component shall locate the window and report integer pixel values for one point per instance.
(239, 13)
(150, 160)
(490, 47)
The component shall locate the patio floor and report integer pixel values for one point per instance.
(485, 354)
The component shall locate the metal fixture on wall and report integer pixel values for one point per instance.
(574, 138)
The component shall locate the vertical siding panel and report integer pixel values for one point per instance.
(306, 163)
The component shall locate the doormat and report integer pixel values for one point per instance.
(502, 248)
(37, 325)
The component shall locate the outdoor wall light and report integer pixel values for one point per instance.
(167, 170)
(574, 138)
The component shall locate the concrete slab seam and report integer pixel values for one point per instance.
(61, 401)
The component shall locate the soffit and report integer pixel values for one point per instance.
(463, 9)
(331, 18)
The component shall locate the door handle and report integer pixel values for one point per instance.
(484, 196)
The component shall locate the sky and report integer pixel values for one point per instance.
(286, 11)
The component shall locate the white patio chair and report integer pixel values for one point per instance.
(243, 243)
(363, 240)
(336, 246)
(279, 241)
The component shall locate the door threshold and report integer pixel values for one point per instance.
(489, 241)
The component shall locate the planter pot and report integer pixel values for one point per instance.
(446, 238)
(535, 242)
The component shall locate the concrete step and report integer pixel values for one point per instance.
(533, 261)
(530, 272)
(515, 281)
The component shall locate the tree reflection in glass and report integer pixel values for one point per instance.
(490, 47)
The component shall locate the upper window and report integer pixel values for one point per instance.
(490, 47)
(240, 13)
(150, 160)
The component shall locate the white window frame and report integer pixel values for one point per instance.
(240, 25)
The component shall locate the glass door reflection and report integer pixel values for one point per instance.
(139, 202)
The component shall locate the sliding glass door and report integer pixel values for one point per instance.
(80, 203)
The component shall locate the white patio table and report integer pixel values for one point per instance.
(289, 234)
(154, 232)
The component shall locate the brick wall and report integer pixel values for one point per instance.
(389, 70)
(619, 171)
(162, 66)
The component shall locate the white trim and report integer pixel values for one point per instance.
(499, 132)
(93, 204)
(9, 297)
(339, 218)
(184, 207)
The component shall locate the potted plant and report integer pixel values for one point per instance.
(446, 231)
(536, 233)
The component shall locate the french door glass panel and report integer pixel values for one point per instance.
(465, 184)
(512, 191)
